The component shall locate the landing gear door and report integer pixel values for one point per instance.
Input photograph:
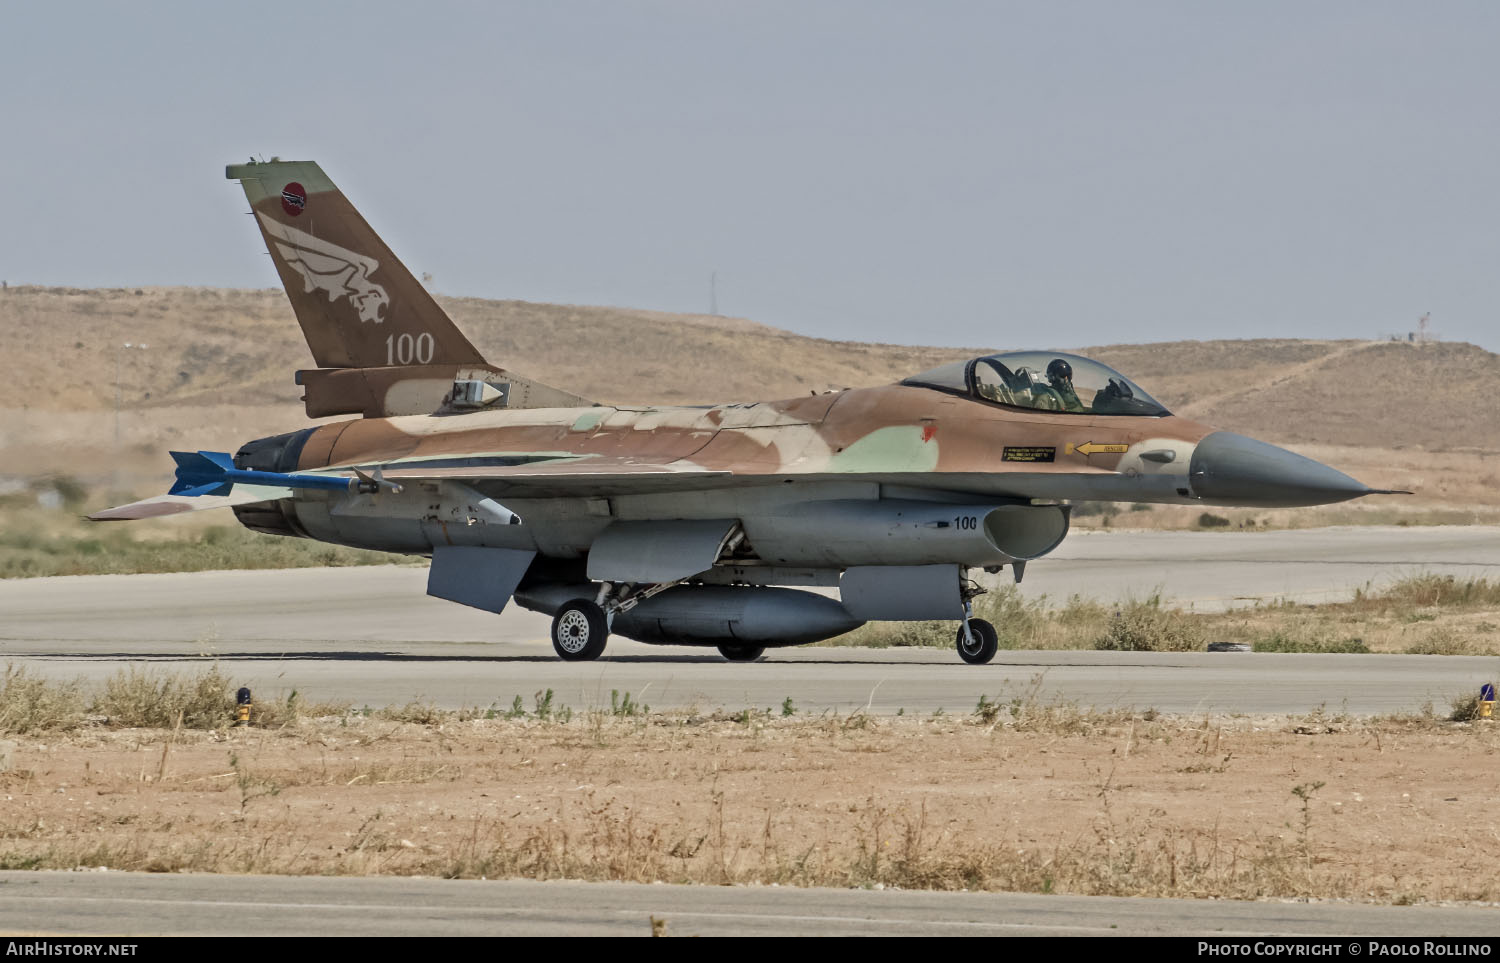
(484, 578)
(657, 552)
(902, 593)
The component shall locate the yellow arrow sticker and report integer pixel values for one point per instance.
(1090, 448)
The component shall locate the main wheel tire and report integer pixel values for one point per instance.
(986, 642)
(579, 631)
(742, 653)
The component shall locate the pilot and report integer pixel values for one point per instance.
(1060, 377)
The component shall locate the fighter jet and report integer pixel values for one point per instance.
(686, 525)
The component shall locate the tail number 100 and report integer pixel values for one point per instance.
(405, 349)
(966, 523)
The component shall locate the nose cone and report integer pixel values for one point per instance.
(1231, 469)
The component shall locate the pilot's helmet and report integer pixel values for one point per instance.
(1059, 370)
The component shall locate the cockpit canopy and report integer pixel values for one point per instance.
(1044, 381)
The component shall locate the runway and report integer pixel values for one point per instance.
(371, 636)
(127, 904)
(1212, 571)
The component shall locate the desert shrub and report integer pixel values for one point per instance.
(29, 704)
(1080, 611)
(1210, 520)
(1282, 642)
(139, 698)
(1016, 618)
(1465, 707)
(1430, 589)
(1144, 626)
(1443, 641)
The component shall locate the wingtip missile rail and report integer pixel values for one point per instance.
(214, 473)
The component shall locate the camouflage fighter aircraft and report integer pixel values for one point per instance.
(686, 525)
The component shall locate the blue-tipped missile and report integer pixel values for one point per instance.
(213, 473)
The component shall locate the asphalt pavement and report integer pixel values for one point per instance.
(146, 904)
(371, 636)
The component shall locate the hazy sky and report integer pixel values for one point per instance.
(997, 174)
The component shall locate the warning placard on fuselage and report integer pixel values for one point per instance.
(1029, 453)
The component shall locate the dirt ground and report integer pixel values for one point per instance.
(1015, 797)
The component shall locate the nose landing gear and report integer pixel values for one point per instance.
(977, 641)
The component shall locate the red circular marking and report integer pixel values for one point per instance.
(293, 198)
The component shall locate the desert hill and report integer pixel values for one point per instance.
(218, 367)
(209, 345)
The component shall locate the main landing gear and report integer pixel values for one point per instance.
(581, 627)
(579, 630)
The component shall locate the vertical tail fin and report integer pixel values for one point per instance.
(381, 343)
(359, 306)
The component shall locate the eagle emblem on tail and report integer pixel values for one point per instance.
(326, 267)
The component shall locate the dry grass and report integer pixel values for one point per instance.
(1143, 625)
(1428, 591)
(39, 541)
(1430, 508)
(29, 704)
(1017, 796)
(146, 697)
(1020, 794)
(1423, 614)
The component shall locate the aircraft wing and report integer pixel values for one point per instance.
(585, 476)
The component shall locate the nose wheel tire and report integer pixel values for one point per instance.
(984, 645)
(742, 653)
(579, 631)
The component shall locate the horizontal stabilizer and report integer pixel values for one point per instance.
(163, 505)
